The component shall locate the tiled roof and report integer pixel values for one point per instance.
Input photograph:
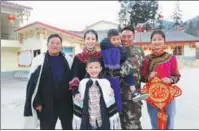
(48, 26)
(171, 36)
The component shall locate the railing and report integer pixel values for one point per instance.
(7, 33)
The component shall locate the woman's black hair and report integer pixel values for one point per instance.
(112, 32)
(91, 60)
(158, 32)
(91, 31)
(54, 35)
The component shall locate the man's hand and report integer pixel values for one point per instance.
(39, 108)
(166, 80)
(152, 75)
(78, 97)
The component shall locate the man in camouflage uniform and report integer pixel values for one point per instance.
(131, 114)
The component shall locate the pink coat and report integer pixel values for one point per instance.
(165, 65)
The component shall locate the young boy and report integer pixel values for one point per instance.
(115, 58)
(96, 108)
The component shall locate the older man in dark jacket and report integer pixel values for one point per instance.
(47, 95)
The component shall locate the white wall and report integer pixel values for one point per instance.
(10, 43)
(189, 51)
(32, 43)
(9, 61)
(43, 42)
(78, 49)
(103, 26)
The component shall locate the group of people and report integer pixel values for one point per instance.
(97, 89)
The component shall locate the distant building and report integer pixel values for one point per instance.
(102, 25)
(178, 43)
(33, 40)
(9, 39)
(19, 45)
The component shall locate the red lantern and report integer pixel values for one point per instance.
(11, 18)
(14, 18)
(140, 29)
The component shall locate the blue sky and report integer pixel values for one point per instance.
(75, 15)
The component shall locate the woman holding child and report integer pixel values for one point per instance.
(102, 113)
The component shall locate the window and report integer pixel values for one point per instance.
(68, 50)
(36, 52)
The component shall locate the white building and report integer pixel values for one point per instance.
(102, 25)
(33, 40)
(9, 39)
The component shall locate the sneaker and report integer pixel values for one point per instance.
(138, 97)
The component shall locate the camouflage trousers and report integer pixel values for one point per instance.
(131, 111)
(130, 115)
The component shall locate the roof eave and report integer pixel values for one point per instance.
(47, 26)
(169, 42)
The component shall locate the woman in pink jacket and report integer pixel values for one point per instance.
(164, 65)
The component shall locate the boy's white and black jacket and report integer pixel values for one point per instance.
(109, 113)
(40, 76)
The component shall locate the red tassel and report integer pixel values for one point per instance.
(162, 120)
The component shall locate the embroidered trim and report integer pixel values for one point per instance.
(154, 61)
(84, 56)
(88, 51)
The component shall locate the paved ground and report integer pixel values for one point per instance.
(13, 94)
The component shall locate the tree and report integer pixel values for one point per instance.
(123, 20)
(147, 26)
(177, 16)
(161, 26)
(160, 21)
(134, 12)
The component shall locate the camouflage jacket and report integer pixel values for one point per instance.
(133, 64)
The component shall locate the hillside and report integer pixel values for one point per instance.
(192, 26)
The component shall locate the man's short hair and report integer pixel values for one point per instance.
(54, 35)
(130, 28)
